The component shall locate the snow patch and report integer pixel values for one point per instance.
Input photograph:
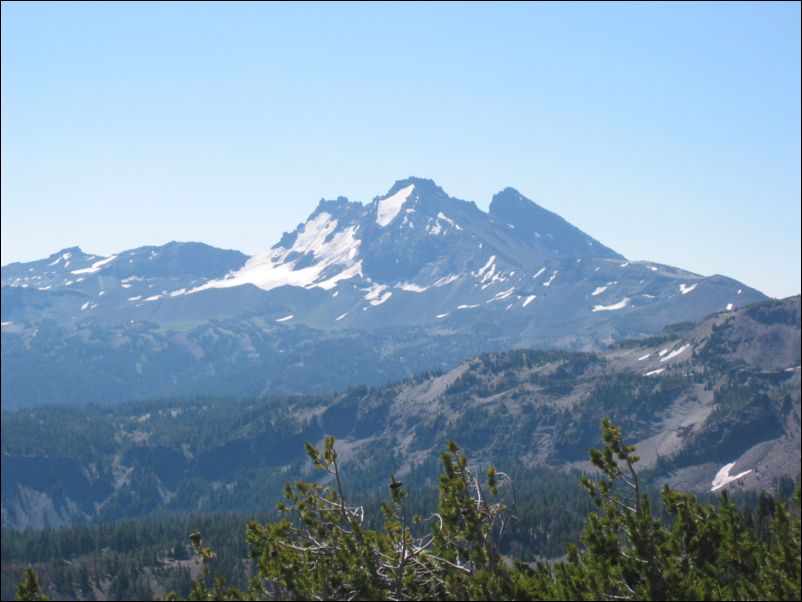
(643, 357)
(285, 318)
(454, 224)
(502, 295)
(685, 289)
(438, 316)
(675, 353)
(653, 372)
(539, 272)
(377, 294)
(446, 280)
(388, 208)
(382, 299)
(551, 279)
(723, 476)
(729, 306)
(137, 298)
(620, 305)
(340, 317)
(598, 291)
(466, 306)
(332, 251)
(662, 352)
(528, 300)
(95, 267)
(434, 230)
(489, 265)
(411, 287)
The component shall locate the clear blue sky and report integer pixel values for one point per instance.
(669, 132)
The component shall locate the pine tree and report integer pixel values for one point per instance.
(29, 589)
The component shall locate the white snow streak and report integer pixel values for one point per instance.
(285, 318)
(95, 267)
(723, 476)
(598, 291)
(446, 280)
(486, 266)
(411, 287)
(551, 279)
(675, 353)
(502, 295)
(685, 289)
(528, 300)
(620, 305)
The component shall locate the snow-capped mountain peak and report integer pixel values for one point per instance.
(413, 256)
(410, 238)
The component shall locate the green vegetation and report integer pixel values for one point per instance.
(322, 545)
(320, 548)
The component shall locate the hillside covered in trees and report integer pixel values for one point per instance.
(694, 399)
(322, 547)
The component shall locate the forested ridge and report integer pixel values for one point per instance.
(322, 544)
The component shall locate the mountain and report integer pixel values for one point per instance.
(362, 294)
(707, 405)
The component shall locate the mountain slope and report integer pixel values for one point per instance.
(696, 400)
(412, 270)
